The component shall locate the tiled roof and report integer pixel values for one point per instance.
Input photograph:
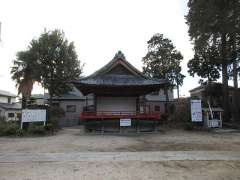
(101, 77)
(15, 106)
(6, 93)
(212, 84)
(120, 80)
(38, 96)
(72, 95)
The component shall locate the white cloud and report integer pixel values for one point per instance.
(98, 28)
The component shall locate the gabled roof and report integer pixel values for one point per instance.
(118, 73)
(203, 87)
(13, 106)
(7, 94)
(74, 94)
(119, 59)
(37, 96)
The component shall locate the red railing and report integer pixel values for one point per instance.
(119, 115)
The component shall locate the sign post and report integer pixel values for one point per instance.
(33, 115)
(196, 110)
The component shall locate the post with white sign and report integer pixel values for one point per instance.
(33, 115)
(196, 110)
(125, 123)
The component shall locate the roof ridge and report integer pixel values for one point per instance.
(118, 56)
(7, 93)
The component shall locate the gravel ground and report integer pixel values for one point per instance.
(73, 141)
(132, 170)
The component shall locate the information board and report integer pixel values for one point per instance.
(33, 115)
(196, 110)
(215, 123)
(125, 122)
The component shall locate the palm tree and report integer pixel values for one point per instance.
(23, 72)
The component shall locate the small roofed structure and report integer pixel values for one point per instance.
(118, 91)
(212, 93)
(212, 117)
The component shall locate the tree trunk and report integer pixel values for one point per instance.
(24, 102)
(50, 98)
(226, 116)
(167, 98)
(177, 91)
(51, 89)
(235, 104)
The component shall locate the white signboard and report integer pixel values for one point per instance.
(196, 110)
(125, 122)
(33, 115)
(215, 123)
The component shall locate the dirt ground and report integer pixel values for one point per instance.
(132, 170)
(72, 140)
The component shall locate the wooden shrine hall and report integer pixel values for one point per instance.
(118, 90)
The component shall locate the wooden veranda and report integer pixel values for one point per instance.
(117, 115)
(109, 121)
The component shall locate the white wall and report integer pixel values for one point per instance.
(15, 118)
(79, 107)
(116, 103)
(71, 118)
(2, 112)
(13, 99)
(40, 101)
(161, 96)
(4, 99)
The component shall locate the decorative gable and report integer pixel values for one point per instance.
(118, 66)
(119, 69)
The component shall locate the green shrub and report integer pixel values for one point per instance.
(36, 129)
(2, 119)
(49, 127)
(54, 114)
(10, 128)
(20, 132)
(181, 112)
(189, 126)
(2, 130)
(164, 117)
(171, 108)
(2, 124)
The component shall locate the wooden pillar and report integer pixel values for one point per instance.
(119, 127)
(155, 125)
(220, 119)
(137, 125)
(137, 105)
(86, 102)
(102, 125)
(95, 102)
